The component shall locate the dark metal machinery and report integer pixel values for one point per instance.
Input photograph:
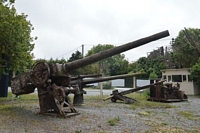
(158, 92)
(116, 95)
(53, 81)
(167, 93)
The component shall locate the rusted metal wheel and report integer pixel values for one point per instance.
(40, 74)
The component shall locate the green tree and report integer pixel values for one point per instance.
(152, 67)
(111, 65)
(195, 72)
(15, 38)
(75, 56)
(185, 48)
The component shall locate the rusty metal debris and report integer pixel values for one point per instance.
(167, 93)
(158, 92)
(54, 83)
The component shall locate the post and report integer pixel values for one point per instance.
(101, 90)
(134, 85)
(82, 50)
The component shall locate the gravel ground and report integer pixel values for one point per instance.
(103, 117)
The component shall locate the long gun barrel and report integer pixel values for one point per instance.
(42, 72)
(108, 53)
(138, 88)
(86, 76)
(96, 80)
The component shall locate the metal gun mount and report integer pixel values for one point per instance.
(158, 92)
(53, 80)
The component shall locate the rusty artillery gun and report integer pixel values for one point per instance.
(116, 95)
(158, 92)
(53, 80)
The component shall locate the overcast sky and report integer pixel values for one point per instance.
(62, 26)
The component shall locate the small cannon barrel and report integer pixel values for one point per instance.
(86, 76)
(139, 88)
(116, 50)
(96, 80)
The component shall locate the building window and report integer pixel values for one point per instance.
(184, 78)
(164, 77)
(176, 78)
(189, 78)
(169, 78)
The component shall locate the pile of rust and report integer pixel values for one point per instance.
(54, 83)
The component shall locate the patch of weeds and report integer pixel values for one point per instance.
(189, 115)
(197, 96)
(186, 114)
(149, 104)
(26, 130)
(95, 97)
(98, 106)
(160, 129)
(144, 113)
(6, 109)
(78, 131)
(113, 121)
(117, 118)
(155, 123)
(152, 123)
(164, 124)
(127, 131)
(56, 127)
(133, 106)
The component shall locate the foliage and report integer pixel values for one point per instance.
(75, 56)
(186, 48)
(112, 122)
(15, 38)
(110, 66)
(153, 76)
(152, 67)
(183, 53)
(118, 65)
(52, 61)
(195, 72)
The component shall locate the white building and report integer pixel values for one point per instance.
(181, 76)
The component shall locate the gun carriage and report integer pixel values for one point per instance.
(54, 83)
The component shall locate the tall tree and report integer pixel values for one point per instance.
(195, 72)
(16, 42)
(116, 64)
(75, 56)
(186, 48)
(152, 67)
